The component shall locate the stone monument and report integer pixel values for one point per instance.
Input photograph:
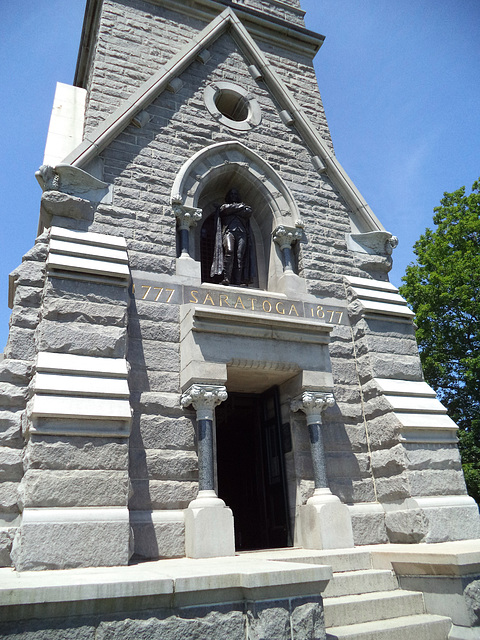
(150, 412)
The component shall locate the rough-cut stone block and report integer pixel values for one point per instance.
(406, 526)
(11, 429)
(141, 378)
(27, 296)
(49, 452)
(393, 488)
(82, 339)
(30, 273)
(436, 483)
(162, 494)
(46, 630)
(452, 523)
(159, 539)
(213, 625)
(20, 344)
(369, 528)
(388, 462)
(86, 291)
(11, 464)
(6, 540)
(163, 464)
(9, 497)
(56, 203)
(64, 310)
(307, 620)
(424, 456)
(12, 395)
(472, 600)
(15, 371)
(268, 621)
(25, 317)
(64, 545)
(154, 355)
(160, 432)
(41, 488)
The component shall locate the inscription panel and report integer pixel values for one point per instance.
(248, 301)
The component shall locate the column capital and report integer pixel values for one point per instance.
(187, 216)
(204, 398)
(312, 403)
(286, 236)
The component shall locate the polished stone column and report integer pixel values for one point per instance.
(208, 522)
(324, 522)
(312, 404)
(204, 398)
(186, 219)
(285, 237)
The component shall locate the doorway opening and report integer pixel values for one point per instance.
(251, 469)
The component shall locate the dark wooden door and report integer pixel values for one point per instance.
(250, 467)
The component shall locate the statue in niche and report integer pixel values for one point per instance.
(234, 254)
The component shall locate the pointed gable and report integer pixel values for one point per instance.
(290, 110)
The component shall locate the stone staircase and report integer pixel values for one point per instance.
(362, 603)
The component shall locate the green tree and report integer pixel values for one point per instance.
(443, 288)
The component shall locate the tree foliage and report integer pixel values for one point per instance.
(443, 289)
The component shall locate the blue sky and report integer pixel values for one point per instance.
(399, 81)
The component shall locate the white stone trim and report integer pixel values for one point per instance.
(88, 237)
(378, 297)
(405, 388)
(87, 253)
(157, 516)
(254, 113)
(58, 362)
(369, 283)
(65, 130)
(60, 515)
(79, 389)
(54, 406)
(81, 385)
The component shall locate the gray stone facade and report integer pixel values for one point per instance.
(104, 297)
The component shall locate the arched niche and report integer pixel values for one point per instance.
(203, 182)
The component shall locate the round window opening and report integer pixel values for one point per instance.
(232, 105)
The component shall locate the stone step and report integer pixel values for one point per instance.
(423, 627)
(348, 610)
(339, 560)
(349, 583)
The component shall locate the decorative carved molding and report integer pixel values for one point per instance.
(187, 217)
(286, 236)
(312, 403)
(204, 398)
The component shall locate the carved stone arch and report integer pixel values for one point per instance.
(204, 180)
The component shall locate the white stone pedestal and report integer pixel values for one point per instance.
(209, 529)
(324, 523)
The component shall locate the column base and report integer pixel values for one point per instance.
(209, 529)
(324, 523)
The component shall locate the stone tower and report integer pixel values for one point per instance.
(156, 406)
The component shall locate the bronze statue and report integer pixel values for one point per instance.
(234, 255)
